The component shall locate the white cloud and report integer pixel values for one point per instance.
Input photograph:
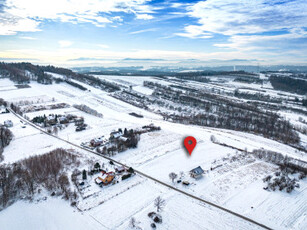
(117, 19)
(65, 43)
(21, 15)
(230, 17)
(9, 24)
(194, 32)
(144, 16)
(249, 25)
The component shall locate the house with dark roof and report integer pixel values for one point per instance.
(115, 135)
(197, 172)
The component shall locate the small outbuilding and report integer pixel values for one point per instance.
(120, 169)
(197, 172)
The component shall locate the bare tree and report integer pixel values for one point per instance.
(172, 176)
(133, 223)
(63, 182)
(55, 130)
(159, 203)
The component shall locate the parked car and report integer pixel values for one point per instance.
(81, 127)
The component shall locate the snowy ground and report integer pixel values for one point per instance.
(236, 185)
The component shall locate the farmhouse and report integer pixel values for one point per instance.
(51, 120)
(97, 142)
(197, 172)
(115, 135)
(105, 178)
(63, 120)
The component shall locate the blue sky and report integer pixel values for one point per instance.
(144, 32)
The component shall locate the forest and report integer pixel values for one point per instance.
(289, 84)
(32, 175)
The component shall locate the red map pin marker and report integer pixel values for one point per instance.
(190, 143)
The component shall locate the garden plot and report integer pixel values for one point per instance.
(220, 186)
(121, 208)
(94, 195)
(285, 210)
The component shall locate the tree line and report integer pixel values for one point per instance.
(30, 176)
(205, 109)
(289, 84)
(23, 72)
(5, 138)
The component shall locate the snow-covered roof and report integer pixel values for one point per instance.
(50, 117)
(116, 134)
(103, 177)
(123, 138)
(98, 139)
(197, 170)
(120, 168)
(62, 118)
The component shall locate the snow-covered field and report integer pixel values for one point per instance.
(235, 185)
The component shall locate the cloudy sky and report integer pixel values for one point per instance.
(130, 32)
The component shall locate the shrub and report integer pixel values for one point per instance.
(157, 219)
(151, 214)
(126, 176)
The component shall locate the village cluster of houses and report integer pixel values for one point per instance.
(60, 120)
(102, 141)
(119, 140)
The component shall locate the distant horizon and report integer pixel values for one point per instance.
(150, 66)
